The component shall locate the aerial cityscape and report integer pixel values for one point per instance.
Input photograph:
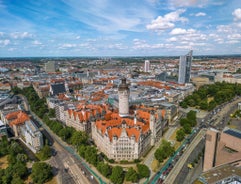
(119, 92)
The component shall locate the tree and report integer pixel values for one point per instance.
(66, 133)
(184, 121)
(104, 169)
(131, 175)
(203, 105)
(17, 180)
(187, 128)
(41, 172)
(44, 153)
(143, 171)
(22, 157)
(79, 138)
(117, 175)
(51, 113)
(164, 151)
(91, 155)
(180, 135)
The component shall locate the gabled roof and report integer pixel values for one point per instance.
(19, 117)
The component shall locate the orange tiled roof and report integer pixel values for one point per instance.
(156, 84)
(19, 118)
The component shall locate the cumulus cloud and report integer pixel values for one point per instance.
(179, 31)
(5, 42)
(200, 14)
(237, 14)
(18, 35)
(167, 21)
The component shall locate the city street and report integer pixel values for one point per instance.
(67, 167)
(150, 157)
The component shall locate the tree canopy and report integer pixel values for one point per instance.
(165, 150)
(117, 175)
(143, 171)
(218, 92)
(41, 172)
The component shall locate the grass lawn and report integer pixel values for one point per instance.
(4, 162)
(232, 126)
(155, 165)
(173, 136)
(210, 99)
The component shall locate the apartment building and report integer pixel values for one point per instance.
(25, 129)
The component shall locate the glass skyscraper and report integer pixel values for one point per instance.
(185, 68)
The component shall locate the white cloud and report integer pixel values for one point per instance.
(23, 35)
(187, 3)
(172, 39)
(224, 29)
(67, 46)
(36, 42)
(234, 36)
(5, 42)
(237, 14)
(11, 49)
(233, 41)
(117, 46)
(167, 21)
(200, 14)
(77, 37)
(178, 31)
(142, 44)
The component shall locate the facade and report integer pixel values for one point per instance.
(79, 120)
(3, 129)
(122, 138)
(81, 117)
(185, 68)
(50, 66)
(147, 66)
(60, 109)
(33, 136)
(123, 94)
(222, 148)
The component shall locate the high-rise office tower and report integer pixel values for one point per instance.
(123, 93)
(185, 68)
(147, 66)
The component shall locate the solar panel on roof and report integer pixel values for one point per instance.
(233, 133)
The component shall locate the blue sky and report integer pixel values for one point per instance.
(119, 27)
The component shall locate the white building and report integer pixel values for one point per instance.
(33, 136)
(147, 66)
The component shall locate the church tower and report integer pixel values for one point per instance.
(123, 93)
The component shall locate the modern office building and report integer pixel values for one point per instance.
(185, 68)
(147, 66)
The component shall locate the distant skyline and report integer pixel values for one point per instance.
(119, 27)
